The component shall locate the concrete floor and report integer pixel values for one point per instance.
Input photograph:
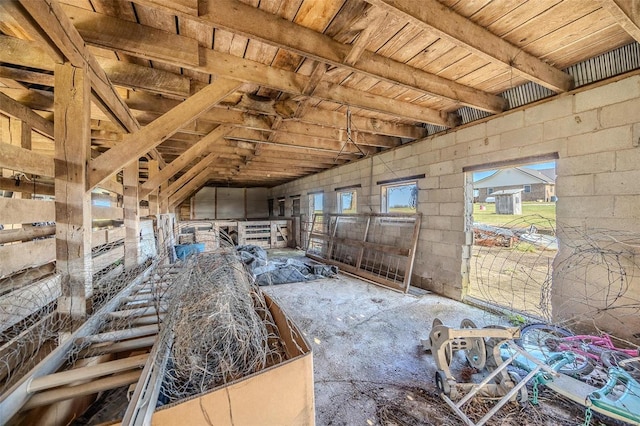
(369, 366)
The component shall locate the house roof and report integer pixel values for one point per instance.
(515, 176)
(507, 192)
(281, 83)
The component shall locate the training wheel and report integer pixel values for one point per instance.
(523, 393)
(477, 352)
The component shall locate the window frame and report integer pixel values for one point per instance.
(524, 189)
(354, 201)
(384, 197)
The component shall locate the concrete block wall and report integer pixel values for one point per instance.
(594, 132)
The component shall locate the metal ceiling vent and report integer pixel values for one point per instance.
(601, 67)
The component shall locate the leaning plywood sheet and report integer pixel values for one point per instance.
(278, 395)
(378, 247)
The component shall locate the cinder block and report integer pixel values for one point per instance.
(576, 124)
(628, 159)
(523, 136)
(584, 207)
(455, 151)
(451, 209)
(558, 107)
(453, 237)
(429, 183)
(611, 139)
(441, 141)
(445, 249)
(429, 157)
(476, 131)
(427, 208)
(439, 222)
(452, 181)
(627, 207)
(617, 183)
(441, 168)
(440, 195)
(586, 164)
(608, 94)
(575, 185)
(505, 123)
(482, 146)
(620, 114)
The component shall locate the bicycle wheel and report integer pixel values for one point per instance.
(543, 341)
(617, 359)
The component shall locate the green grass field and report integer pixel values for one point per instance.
(489, 216)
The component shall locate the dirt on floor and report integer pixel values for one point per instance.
(369, 366)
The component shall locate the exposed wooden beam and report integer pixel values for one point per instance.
(246, 71)
(21, 112)
(433, 15)
(200, 148)
(24, 160)
(30, 54)
(240, 18)
(191, 186)
(62, 35)
(137, 144)
(627, 14)
(73, 200)
(190, 174)
(363, 38)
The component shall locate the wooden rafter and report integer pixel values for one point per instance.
(627, 13)
(240, 18)
(431, 14)
(136, 145)
(200, 148)
(140, 41)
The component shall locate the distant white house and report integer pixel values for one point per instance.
(536, 185)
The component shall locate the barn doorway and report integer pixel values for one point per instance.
(511, 218)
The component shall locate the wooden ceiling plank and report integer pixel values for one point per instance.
(432, 14)
(627, 14)
(137, 144)
(17, 110)
(59, 29)
(238, 17)
(203, 146)
(248, 71)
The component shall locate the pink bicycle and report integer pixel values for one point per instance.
(589, 350)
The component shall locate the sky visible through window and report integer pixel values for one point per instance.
(481, 175)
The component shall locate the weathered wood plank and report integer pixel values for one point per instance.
(131, 215)
(17, 257)
(107, 258)
(21, 112)
(106, 213)
(26, 187)
(24, 160)
(15, 211)
(62, 35)
(73, 201)
(627, 13)
(433, 15)
(137, 144)
(200, 148)
(104, 236)
(25, 234)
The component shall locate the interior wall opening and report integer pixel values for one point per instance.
(512, 223)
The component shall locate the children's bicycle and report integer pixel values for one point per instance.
(590, 351)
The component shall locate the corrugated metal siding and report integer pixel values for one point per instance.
(607, 65)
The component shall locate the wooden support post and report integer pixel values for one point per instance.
(131, 215)
(20, 132)
(154, 206)
(73, 202)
